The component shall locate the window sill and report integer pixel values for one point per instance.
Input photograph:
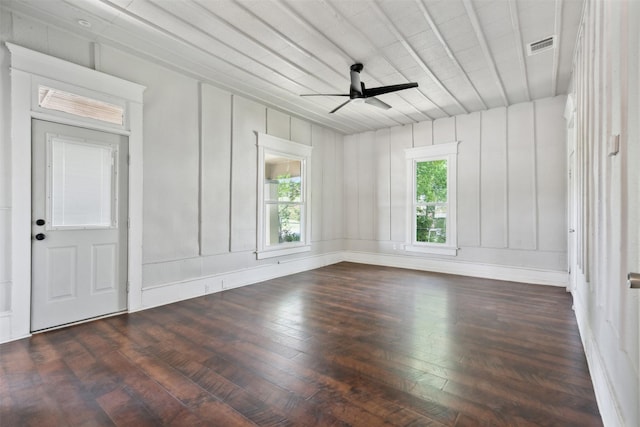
(272, 253)
(438, 250)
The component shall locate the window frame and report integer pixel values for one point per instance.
(446, 151)
(268, 144)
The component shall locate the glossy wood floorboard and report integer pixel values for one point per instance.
(347, 344)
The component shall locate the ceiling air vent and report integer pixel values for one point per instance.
(541, 45)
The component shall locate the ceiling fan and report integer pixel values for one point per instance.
(358, 93)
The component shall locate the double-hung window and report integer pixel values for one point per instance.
(432, 199)
(283, 212)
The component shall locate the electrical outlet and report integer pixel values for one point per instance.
(224, 286)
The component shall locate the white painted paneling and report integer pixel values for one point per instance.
(382, 180)
(5, 302)
(248, 118)
(171, 155)
(317, 189)
(216, 170)
(351, 186)
(329, 214)
(551, 174)
(300, 131)
(366, 184)
(399, 139)
(278, 124)
(422, 133)
(444, 130)
(5, 245)
(468, 130)
(5, 114)
(5, 177)
(493, 178)
(522, 177)
(338, 231)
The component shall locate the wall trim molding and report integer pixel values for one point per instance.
(185, 289)
(28, 69)
(602, 384)
(168, 293)
(485, 271)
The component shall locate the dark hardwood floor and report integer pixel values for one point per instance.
(347, 344)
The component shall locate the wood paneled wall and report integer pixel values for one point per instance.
(606, 102)
(511, 185)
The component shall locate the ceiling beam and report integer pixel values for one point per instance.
(392, 27)
(557, 31)
(515, 25)
(447, 49)
(471, 13)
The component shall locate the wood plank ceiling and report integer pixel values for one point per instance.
(466, 55)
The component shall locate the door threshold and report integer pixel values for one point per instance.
(79, 322)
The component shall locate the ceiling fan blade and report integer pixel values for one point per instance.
(375, 91)
(324, 94)
(340, 106)
(375, 101)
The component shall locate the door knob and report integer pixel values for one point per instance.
(634, 280)
(40, 222)
(40, 236)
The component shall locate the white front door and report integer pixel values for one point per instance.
(79, 224)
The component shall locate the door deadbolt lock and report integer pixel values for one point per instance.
(40, 236)
(634, 280)
(40, 222)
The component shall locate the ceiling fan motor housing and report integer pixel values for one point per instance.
(357, 87)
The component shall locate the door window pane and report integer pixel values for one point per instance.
(81, 188)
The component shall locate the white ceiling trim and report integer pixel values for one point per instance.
(515, 24)
(556, 51)
(391, 26)
(224, 22)
(450, 54)
(467, 55)
(303, 21)
(355, 28)
(485, 48)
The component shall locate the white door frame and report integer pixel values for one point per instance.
(28, 69)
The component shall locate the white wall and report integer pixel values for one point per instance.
(199, 219)
(607, 102)
(511, 188)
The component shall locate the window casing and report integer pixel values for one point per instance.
(283, 197)
(431, 204)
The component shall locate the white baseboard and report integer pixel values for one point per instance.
(602, 384)
(181, 290)
(168, 293)
(486, 271)
(5, 328)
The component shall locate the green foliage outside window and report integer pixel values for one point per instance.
(431, 201)
(289, 190)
